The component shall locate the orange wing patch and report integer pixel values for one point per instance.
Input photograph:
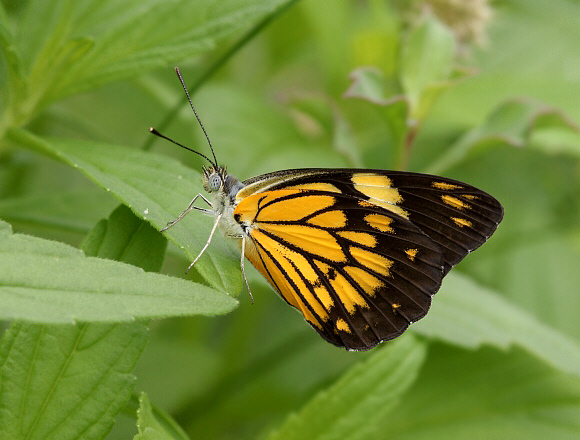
(280, 206)
(291, 209)
(454, 202)
(371, 180)
(461, 222)
(329, 219)
(312, 240)
(375, 262)
(365, 204)
(412, 253)
(445, 186)
(363, 238)
(342, 325)
(347, 294)
(367, 282)
(380, 222)
(380, 191)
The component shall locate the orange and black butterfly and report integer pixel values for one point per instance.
(359, 252)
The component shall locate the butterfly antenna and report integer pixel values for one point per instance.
(156, 133)
(215, 163)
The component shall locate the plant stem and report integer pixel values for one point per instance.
(215, 66)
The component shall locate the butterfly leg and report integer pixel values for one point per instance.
(217, 220)
(242, 266)
(189, 208)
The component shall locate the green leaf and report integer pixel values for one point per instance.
(125, 237)
(320, 118)
(426, 62)
(50, 282)
(432, 93)
(369, 84)
(156, 188)
(541, 271)
(155, 425)
(76, 46)
(70, 211)
(511, 123)
(487, 394)
(556, 141)
(44, 363)
(13, 78)
(241, 125)
(470, 316)
(352, 407)
(296, 156)
(63, 382)
(517, 62)
(65, 48)
(344, 141)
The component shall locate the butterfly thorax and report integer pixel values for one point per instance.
(224, 188)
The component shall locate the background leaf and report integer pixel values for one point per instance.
(168, 186)
(487, 394)
(40, 364)
(470, 316)
(66, 48)
(426, 61)
(65, 216)
(353, 406)
(512, 123)
(88, 288)
(155, 426)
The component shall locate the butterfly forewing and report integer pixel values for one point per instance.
(457, 216)
(361, 252)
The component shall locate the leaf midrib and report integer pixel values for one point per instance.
(55, 383)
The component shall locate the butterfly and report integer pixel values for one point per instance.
(359, 252)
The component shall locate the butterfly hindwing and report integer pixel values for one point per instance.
(360, 252)
(358, 273)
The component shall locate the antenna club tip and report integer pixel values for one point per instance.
(151, 129)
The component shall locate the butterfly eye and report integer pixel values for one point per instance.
(214, 182)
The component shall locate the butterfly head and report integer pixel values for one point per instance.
(217, 180)
(214, 178)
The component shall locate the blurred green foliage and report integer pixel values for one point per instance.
(488, 96)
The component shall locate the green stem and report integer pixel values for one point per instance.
(403, 162)
(22, 137)
(216, 65)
